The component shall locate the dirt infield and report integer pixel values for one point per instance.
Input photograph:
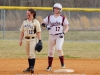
(80, 66)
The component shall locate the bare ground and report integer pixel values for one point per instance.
(80, 66)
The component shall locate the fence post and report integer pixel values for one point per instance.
(69, 15)
(3, 22)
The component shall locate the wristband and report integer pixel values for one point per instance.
(43, 24)
(39, 40)
(63, 33)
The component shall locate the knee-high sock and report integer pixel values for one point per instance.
(31, 62)
(61, 60)
(50, 59)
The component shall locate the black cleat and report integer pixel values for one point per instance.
(32, 70)
(27, 70)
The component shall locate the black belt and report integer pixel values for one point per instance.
(56, 34)
(29, 37)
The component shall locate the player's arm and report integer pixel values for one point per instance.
(38, 30)
(66, 28)
(21, 37)
(45, 22)
(39, 35)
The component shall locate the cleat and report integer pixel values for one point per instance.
(27, 70)
(63, 67)
(49, 69)
(32, 70)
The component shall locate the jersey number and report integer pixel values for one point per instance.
(57, 28)
(31, 31)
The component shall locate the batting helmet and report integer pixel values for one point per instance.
(58, 5)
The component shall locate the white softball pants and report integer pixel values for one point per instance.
(55, 42)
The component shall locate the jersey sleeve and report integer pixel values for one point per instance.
(46, 20)
(38, 27)
(22, 28)
(65, 22)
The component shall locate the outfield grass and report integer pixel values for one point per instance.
(11, 49)
(70, 35)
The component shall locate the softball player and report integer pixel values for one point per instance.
(57, 26)
(31, 31)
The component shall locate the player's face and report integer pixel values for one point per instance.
(56, 10)
(29, 14)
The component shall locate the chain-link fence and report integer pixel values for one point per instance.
(83, 25)
(86, 23)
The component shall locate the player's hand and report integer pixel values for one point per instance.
(20, 43)
(48, 27)
(62, 35)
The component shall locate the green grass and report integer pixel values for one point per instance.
(76, 45)
(68, 56)
(70, 35)
(11, 49)
(82, 35)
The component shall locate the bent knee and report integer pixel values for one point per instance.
(58, 48)
(51, 54)
(31, 56)
(60, 52)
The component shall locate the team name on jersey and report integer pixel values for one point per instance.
(28, 26)
(55, 24)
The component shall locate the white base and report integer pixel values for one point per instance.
(64, 70)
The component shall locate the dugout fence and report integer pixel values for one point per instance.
(84, 22)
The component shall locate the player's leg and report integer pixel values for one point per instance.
(32, 54)
(27, 52)
(59, 44)
(29, 46)
(51, 44)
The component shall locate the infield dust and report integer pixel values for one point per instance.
(80, 66)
